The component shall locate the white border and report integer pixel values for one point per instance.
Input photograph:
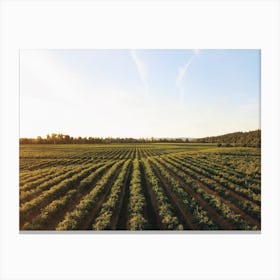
(124, 24)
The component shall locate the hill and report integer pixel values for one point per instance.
(242, 139)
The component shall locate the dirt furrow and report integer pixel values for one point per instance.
(180, 210)
(217, 218)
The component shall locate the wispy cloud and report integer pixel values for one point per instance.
(182, 70)
(141, 69)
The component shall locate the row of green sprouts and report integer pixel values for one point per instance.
(182, 192)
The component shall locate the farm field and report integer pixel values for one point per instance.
(139, 187)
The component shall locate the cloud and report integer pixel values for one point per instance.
(141, 69)
(182, 70)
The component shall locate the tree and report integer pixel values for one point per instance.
(39, 140)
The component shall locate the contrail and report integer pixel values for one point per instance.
(181, 75)
(141, 69)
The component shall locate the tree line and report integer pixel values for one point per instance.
(59, 138)
(236, 139)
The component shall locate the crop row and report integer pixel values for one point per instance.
(108, 210)
(199, 215)
(26, 195)
(80, 212)
(39, 174)
(248, 206)
(34, 205)
(227, 175)
(222, 208)
(233, 167)
(216, 176)
(164, 207)
(52, 177)
(137, 201)
(53, 209)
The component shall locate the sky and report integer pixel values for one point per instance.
(139, 93)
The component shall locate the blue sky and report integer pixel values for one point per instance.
(139, 93)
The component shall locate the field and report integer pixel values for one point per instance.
(139, 187)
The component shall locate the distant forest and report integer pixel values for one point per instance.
(55, 138)
(240, 139)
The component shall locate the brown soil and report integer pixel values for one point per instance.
(52, 223)
(179, 208)
(89, 220)
(215, 216)
(236, 194)
(236, 197)
(120, 215)
(36, 211)
(150, 211)
(153, 216)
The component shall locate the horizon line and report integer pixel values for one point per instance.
(130, 137)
